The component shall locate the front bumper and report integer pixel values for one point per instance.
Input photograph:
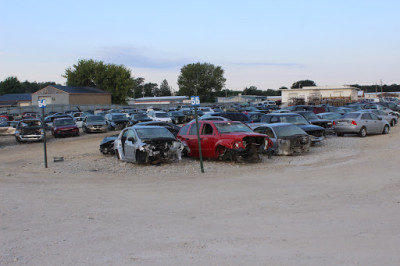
(30, 138)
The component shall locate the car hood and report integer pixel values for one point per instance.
(66, 127)
(310, 127)
(240, 135)
(96, 123)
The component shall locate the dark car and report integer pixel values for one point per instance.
(29, 130)
(315, 120)
(317, 133)
(138, 118)
(49, 120)
(190, 114)
(171, 127)
(233, 116)
(116, 121)
(63, 127)
(255, 117)
(177, 117)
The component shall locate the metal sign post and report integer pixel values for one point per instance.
(42, 105)
(195, 100)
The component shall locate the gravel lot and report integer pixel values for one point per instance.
(339, 204)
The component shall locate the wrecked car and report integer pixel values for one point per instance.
(116, 121)
(107, 145)
(224, 140)
(29, 130)
(147, 144)
(287, 138)
(8, 127)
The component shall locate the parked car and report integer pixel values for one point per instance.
(361, 123)
(190, 114)
(329, 116)
(315, 120)
(49, 120)
(147, 144)
(107, 144)
(116, 121)
(177, 117)
(29, 130)
(8, 127)
(79, 121)
(224, 140)
(174, 129)
(287, 138)
(94, 123)
(390, 118)
(138, 118)
(159, 116)
(233, 116)
(63, 127)
(317, 133)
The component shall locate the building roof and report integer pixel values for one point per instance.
(16, 97)
(321, 88)
(163, 98)
(70, 89)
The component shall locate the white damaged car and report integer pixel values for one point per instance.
(148, 144)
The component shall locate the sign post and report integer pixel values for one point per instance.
(195, 101)
(42, 105)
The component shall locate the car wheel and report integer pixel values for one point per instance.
(18, 140)
(363, 132)
(392, 123)
(340, 134)
(385, 129)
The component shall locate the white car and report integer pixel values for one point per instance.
(206, 110)
(159, 116)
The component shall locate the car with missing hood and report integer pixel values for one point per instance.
(8, 127)
(147, 144)
(29, 130)
(315, 120)
(317, 133)
(94, 123)
(63, 127)
(116, 121)
(224, 140)
(287, 138)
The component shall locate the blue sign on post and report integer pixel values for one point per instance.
(42, 103)
(195, 100)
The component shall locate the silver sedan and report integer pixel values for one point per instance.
(361, 123)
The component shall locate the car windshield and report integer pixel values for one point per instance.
(206, 109)
(351, 115)
(140, 116)
(287, 131)
(154, 133)
(232, 127)
(30, 123)
(95, 118)
(295, 119)
(118, 117)
(310, 116)
(371, 107)
(161, 115)
(64, 122)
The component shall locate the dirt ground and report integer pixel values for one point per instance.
(337, 205)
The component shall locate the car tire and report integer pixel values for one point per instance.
(392, 123)
(386, 130)
(340, 134)
(363, 132)
(18, 140)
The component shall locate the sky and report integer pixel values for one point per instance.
(267, 44)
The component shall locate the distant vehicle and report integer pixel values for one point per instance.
(233, 116)
(50, 119)
(329, 116)
(390, 118)
(159, 116)
(317, 133)
(177, 117)
(174, 129)
(116, 121)
(138, 118)
(287, 138)
(63, 127)
(94, 123)
(315, 120)
(29, 130)
(361, 123)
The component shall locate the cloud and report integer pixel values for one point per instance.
(142, 57)
(296, 65)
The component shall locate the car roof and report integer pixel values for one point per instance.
(281, 114)
(255, 125)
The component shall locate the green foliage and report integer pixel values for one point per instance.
(13, 85)
(112, 78)
(165, 89)
(378, 88)
(303, 83)
(202, 79)
(252, 90)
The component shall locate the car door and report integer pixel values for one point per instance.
(129, 145)
(208, 140)
(368, 123)
(191, 140)
(379, 123)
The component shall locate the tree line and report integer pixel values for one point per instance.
(202, 79)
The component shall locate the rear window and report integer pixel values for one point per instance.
(351, 115)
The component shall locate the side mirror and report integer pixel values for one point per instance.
(131, 139)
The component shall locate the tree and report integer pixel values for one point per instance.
(112, 78)
(10, 85)
(165, 89)
(283, 88)
(303, 83)
(202, 79)
(252, 90)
